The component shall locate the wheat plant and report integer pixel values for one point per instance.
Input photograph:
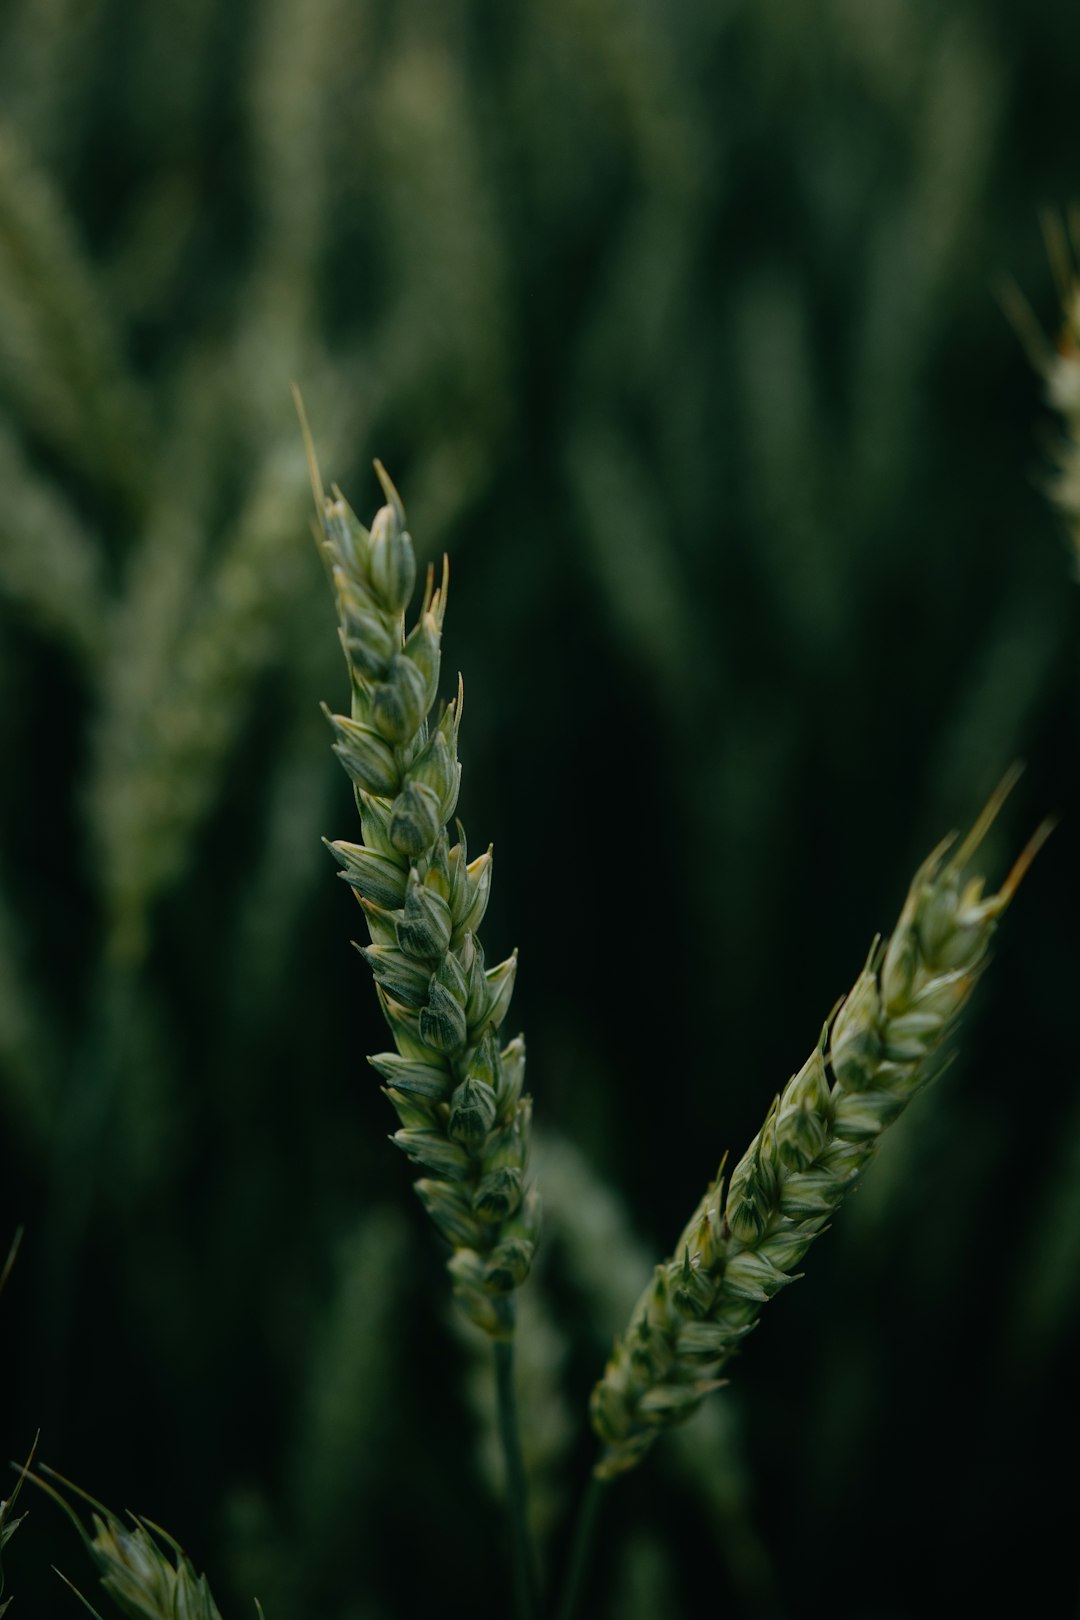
(458, 1094)
(459, 1099)
(464, 1118)
(749, 490)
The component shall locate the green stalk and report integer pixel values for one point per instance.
(522, 1558)
(581, 1546)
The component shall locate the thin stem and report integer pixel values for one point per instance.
(516, 1493)
(581, 1547)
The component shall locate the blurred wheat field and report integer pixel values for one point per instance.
(676, 325)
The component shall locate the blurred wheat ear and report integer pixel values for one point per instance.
(1058, 362)
(1045, 1290)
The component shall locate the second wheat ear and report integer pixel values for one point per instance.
(458, 1093)
(740, 1248)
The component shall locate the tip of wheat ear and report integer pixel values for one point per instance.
(879, 1047)
(1022, 864)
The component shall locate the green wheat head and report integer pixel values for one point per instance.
(143, 1571)
(876, 1051)
(458, 1097)
(139, 1576)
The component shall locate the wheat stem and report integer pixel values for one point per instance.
(581, 1546)
(522, 1558)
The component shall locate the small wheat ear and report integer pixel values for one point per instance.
(133, 1563)
(1058, 362)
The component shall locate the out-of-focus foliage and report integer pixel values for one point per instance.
(675, 325)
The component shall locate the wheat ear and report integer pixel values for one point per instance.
(1061, 366)
(145, 1573)
(459, 1098)
(1058, 363)
(876, 1051)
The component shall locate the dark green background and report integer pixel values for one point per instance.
(676, 324)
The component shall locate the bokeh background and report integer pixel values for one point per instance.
(677, 325)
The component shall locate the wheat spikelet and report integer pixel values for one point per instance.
(875, 1053)
(463, 1116)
